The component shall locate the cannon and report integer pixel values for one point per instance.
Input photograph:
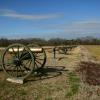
(64, 49)
(19, 61)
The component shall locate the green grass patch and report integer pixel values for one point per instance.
(9, 91)
(74, 84)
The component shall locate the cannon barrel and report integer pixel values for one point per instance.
(25, 55)
(34, 50)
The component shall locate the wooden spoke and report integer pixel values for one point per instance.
(14, 52)
(36, 65)
(24, 66)
(38, 62)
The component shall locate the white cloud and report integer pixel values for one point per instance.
(77, 27)
(84, 27)
(6, 11)
(13, 14)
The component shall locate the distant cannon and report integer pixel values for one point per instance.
(65, 49)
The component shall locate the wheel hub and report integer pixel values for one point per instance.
(17, 62)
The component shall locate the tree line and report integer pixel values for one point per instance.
(54, 41)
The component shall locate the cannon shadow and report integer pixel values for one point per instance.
(46, 73)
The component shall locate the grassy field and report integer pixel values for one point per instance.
(40, 90)
(94, 50)
(59, 82)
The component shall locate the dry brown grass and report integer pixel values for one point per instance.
(94, 50)
(59, 81)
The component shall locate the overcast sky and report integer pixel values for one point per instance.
(49, 18)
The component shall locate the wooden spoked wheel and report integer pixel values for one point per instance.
(18, 61)
(40, 56)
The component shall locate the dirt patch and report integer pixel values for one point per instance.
(69, 60)
(91, 72)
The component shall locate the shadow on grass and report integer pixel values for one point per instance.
(68, 53)
(46, 73)
(61, 58)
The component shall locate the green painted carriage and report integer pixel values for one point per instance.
(19, 61)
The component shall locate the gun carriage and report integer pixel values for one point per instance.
(19, 61)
